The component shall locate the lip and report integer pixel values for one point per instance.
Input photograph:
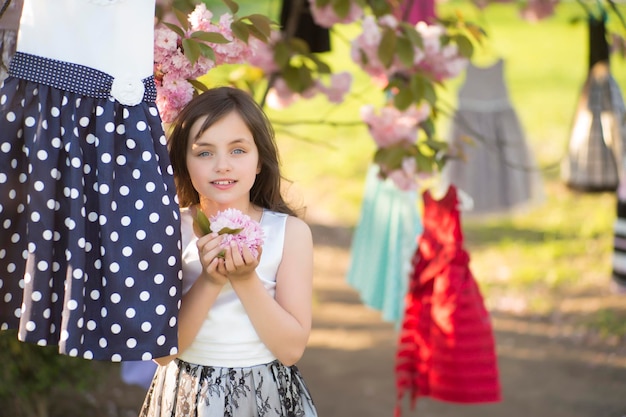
(223, 184)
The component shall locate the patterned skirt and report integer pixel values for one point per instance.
(619, 248)
(182, 389)
(89, 220)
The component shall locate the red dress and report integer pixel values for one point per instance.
(446, 348)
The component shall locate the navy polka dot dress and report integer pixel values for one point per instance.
(89, 220)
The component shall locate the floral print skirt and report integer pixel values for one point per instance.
(182, 389)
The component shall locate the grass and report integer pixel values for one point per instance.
(539, 258)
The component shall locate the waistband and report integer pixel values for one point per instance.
(81, 79)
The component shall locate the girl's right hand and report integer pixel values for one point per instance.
(208, 251)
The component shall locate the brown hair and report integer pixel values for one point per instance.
(213, 105)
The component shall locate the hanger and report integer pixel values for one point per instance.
(439, 189)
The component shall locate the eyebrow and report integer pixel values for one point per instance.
(199, 142)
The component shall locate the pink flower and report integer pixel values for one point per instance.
(536, 10)
(392, 126)
(364, 50)
(280, 96)
(262, 55)
(339, 87)
(173, 70)
(200, 19)
(405, 177)
(326, 16)
(234, 226)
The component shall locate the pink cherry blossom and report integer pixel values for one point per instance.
(326, 16)
(280, 96)
(250, 233)
(392, 126)
(405, 177)
(173, 69)
(536, 10)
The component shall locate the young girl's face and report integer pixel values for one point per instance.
(223, 162)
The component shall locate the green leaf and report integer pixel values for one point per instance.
(182, 19)
(198, 85)
(341, 7)
(292, 78)
(232, 6)
(201, 221)
(424, 163)
(257, 33)
(403, 99)
(466, 48)
(261, 23)
(406, 52)
(306, 78)
(380, 7)
(192, 50)
(428, 127)
(423, 89)
(281, 54)
(207, 51)
(240, 30)
(387, 47)
(412, 35)
(322, 67)
(391, 157)
(299, 46)
(212, 37)
(179, 31)
(229, 231)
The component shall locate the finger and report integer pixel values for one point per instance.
(229, 262)
(221, 267)
(235, 254)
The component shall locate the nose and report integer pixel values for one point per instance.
(222, 163)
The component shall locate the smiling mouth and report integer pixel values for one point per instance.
(223, 182)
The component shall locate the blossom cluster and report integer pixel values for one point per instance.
(173, 70)
(235, 226)
(405, 60)
(435, 58)
(281, 95)
(326, 16)
(395, 132)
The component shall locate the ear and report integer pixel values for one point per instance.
(258, 169)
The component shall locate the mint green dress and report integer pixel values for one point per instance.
(383, 243)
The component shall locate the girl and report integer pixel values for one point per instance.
(89, 223)
(244, 321)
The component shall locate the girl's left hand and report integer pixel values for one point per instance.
(238, 266)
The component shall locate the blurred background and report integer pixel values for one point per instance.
(545, 272)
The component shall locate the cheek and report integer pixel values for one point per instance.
(195, 172)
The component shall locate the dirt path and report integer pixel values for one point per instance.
(349, 362)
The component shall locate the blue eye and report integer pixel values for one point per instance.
(205, 154)
(239, 151)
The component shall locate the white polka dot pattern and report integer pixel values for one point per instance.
(89, 220)
(72, 77)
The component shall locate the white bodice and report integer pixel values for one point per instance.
(113, 36)
(227, 337)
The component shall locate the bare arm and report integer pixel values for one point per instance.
(283, 323)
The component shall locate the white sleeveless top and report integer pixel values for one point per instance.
(227, 337)
(113, 36)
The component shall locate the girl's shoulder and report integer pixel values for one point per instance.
(291, 223)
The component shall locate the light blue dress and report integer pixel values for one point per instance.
(383, 243)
